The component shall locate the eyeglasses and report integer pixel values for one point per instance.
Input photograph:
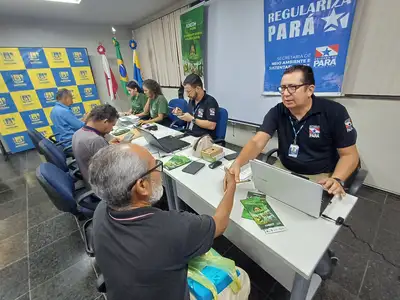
(290, 88)
(158, 168)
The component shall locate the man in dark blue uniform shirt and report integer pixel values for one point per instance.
(203, 109)
(316, 136)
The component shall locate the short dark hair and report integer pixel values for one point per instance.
(134, 85)
(194, 80)
(308, 74)
(181, 92)
(103, 112)
(153, 86)
(61, 93)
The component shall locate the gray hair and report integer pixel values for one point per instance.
(63, 93)
(112, 171)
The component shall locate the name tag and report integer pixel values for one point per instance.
(294, 150)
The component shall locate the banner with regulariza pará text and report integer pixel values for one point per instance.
(29, 81)
(192, 28)
(308, 32)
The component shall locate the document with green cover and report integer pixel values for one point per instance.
(176, 161)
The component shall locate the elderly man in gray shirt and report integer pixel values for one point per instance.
(91, 137)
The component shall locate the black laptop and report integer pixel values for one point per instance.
(167, 144)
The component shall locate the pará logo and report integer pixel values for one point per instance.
(88, 92)
(49, 96)
(17, 78)
(9, 122)
(56, 55)
(42, 77)
(93, 106)
(64, 75)
(3, 102)
(19, 141)
(83, 74)
(8, 56)
(76, 110)
(35, 117)
(26, 99)
(77, 56)
(33, 56)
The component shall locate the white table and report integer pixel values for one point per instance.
(289, 256)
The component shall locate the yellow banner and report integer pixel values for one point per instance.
(10, 59)
(57, 57)
(89, 105)
(76, 97)
(46, 131)
(11, 123)
(42, 78)
(3, 87)
(26, 100)
(47, 112)
(83, 75)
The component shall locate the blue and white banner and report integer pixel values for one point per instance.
(309, 32)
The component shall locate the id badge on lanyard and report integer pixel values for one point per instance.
(294, 148)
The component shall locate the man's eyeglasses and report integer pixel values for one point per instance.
(290, 88)
(158, 168)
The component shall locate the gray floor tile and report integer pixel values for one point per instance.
(221, 244)
(390, 220)
(24, 297)
(393, 202)
(363, 219)
(256, 293)
(372, 194)
(37, 196)
(13, 249)
(12, 207)
(33, 159)
(51, 230)
(381, 281)
(388, 244)
(9, 184)
(330, 290)
(55, 258)
(13, 193)
(75, 283)
(42, 212)
(14, 280)
(351, 267)
(279, 293)
(13, 225)
(30, 178)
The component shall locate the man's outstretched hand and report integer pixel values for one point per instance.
(332, 186)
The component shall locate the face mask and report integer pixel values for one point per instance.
(157, 193)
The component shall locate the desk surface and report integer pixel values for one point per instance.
(303, 243)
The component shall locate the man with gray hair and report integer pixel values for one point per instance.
(64, 120)
(143, 252)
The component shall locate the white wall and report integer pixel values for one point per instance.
(33, 33)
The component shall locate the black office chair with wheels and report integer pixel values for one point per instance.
(36, 137)
(351, 185)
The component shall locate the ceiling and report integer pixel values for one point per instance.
(107, 12)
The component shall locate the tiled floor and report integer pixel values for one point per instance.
(42, 254)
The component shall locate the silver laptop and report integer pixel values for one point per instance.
(298, 192)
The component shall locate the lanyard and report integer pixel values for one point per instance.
(196, 108)
(294, 130)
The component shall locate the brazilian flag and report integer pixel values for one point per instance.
(123, 75)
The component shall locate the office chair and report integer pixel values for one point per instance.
(177, 123)
(56, 156)
(351, 185)
(36, 137)
(222, 125)
(60, 188)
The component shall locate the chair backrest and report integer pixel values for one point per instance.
(35, 137)
(183, 105)
(53, 154)
(58, 185)
(222, 124)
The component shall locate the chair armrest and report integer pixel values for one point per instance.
(63, 142)
(357, 182)
(70, 163)
(101, 284)
(87, 230)
(219, 142)
(80, 200)
(53, 138)
(76, 175)
(269, 154)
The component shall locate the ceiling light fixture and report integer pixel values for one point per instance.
(66, 1)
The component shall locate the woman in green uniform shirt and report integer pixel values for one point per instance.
(138, 99)
(156, 106)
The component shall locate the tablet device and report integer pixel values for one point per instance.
(193, 168)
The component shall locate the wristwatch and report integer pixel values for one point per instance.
(194, 121)
(341, 182)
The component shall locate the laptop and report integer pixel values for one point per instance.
(167, 144)
(292, 189)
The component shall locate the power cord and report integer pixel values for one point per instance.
(340, 221)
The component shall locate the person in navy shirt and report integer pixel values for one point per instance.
(316, 136)
(64, 120)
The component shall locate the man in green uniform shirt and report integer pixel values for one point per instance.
(157, 105)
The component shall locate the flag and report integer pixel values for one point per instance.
(123, 75)
(112, 85)
(137, 75)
